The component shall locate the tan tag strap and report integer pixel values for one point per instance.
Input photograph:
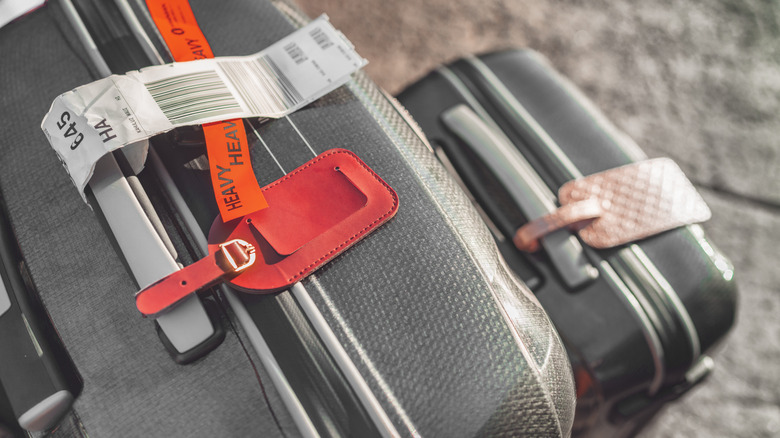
(638, 200)
(569, 215)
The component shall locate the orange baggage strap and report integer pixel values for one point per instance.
(232, 178)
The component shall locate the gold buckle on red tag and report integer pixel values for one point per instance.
(232, 257)
(621, 205)
(239, 254)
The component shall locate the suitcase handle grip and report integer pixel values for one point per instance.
(525, 187)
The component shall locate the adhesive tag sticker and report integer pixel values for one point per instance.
(86, 123)
(10, 10)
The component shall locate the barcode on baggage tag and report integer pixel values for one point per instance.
(321, 38)
(189, 97)
(259, 83)
(295, 52)
(262, 85)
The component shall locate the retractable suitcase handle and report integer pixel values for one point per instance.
(525, 187)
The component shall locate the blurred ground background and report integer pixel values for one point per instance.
(695, 81)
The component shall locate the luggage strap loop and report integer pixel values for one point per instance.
(231, 258)
(575, 215)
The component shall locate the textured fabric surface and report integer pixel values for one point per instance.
(518, 304)
(131, 385)
(695, 81)
(415, 303)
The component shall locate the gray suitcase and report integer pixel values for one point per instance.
(419, 330)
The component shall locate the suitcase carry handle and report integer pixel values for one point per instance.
(525, 187)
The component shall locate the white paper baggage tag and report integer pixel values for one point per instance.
(92, 120)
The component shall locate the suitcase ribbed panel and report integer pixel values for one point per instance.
(530, 325)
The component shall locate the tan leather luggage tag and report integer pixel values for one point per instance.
(621, 205)
(314, 214)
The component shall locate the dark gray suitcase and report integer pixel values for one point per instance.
(638, 333)
(420, 330)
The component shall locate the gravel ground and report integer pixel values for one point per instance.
(695, 81)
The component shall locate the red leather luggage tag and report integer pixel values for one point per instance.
(621, 205)
(315, 213)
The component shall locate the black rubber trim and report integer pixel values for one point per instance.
(205, 347)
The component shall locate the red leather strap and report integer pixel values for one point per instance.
(316, 212)
(228, 260)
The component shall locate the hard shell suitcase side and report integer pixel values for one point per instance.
(637, 334)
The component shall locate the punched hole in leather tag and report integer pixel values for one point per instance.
(314, 213)
(621, 205)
